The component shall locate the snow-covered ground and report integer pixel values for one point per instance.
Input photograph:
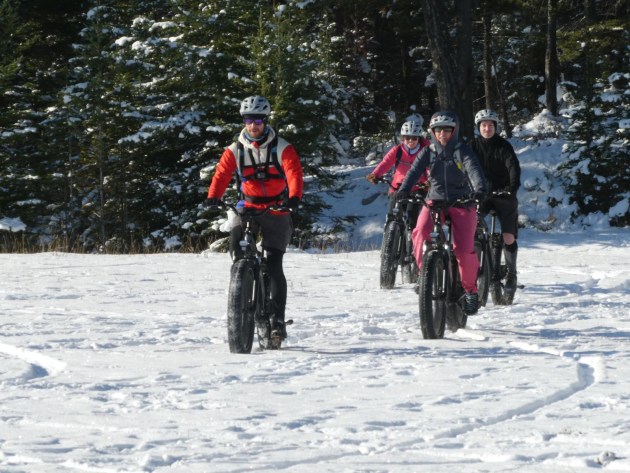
(121, 364)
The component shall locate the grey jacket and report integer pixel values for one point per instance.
(454, 170)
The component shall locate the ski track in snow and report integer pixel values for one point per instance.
(39, 365)
(120, 364)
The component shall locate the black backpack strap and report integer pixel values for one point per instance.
(273, 154)
(399, 152)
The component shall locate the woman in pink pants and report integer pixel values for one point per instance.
(454, 173)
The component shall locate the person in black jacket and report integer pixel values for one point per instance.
(503, 172)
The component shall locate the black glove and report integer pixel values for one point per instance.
(402, 195)
(478, 196)
(211, 202)
(293, 203)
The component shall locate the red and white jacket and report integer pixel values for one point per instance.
(262, 185)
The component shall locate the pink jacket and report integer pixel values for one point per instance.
(406, 159)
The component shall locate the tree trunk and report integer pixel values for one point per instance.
(494, 97)
(590, 13)
(464, 67)
(488, 75)
(452, 63)
(441, 53)
(551, 58)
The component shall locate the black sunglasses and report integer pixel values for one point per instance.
(256, 121)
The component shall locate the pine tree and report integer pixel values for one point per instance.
(597, 170)
(34, 41)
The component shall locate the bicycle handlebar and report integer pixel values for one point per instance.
(386, 181)
(225, 205)
(443, 204)
(415, 196)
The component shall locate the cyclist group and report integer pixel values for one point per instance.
(482, 177)
(270, 175)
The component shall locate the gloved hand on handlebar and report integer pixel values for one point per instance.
(478, 196)
(373, 178)
(293, 203)
(402, 195)
(211, 202)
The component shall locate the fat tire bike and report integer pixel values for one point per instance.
(397, 246)
(250, 305)
(492, 268)
(441, 295)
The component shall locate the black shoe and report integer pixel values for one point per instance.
(510, 284)
(280, 329)
(471, 303)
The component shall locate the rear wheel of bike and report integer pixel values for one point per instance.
(409, 266)
(498, 275)
(390, 254)
(456, 317)
(432, 296)
(484, 275)
(242, 304)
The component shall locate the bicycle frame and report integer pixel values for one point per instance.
(401, 212)
(442, 242)
(494, 246)
(397, 248)
(250, 306)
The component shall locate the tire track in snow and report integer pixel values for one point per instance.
(41, 365)
(589, 370)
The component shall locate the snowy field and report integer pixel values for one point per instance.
(121, 364)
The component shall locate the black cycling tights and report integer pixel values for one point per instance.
(278, 280)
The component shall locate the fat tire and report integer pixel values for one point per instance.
(242, 306)
(456, 316)
(432, 296)
(390, 254)
(496, 286)
(484, 276)
(409, 270)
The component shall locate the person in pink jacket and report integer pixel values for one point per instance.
(400, 158)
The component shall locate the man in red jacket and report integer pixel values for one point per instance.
(270, 174)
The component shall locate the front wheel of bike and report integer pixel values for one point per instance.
(432, 296)
(242, 305)
(390, 254)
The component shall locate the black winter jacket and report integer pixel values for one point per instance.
(499, 162)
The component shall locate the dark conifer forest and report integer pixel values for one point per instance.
(113, 113)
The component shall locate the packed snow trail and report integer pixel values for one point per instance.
(120, 364)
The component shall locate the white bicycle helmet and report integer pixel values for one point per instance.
(255, 105)
(487, 114)
(443, 119)
(415, 117)
(411, 128)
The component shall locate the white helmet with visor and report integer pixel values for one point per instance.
(255, 105)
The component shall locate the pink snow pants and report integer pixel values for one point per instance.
(463, 226)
